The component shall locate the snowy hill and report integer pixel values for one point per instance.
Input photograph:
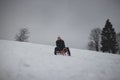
(27, 61)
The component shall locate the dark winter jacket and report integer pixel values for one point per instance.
(60, 44)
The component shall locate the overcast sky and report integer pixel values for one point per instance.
(47, 19)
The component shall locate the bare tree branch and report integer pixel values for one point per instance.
(22, 36)
(94, 43)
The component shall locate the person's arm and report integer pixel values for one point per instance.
(57, 43)
(63, 43)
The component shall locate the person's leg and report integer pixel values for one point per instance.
(55, 51)
(68, 51)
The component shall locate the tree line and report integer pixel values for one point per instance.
(105, 40)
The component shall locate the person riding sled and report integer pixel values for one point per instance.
(60, 47)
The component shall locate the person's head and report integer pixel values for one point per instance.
(59, 38)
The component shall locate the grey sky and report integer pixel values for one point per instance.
(47, 19)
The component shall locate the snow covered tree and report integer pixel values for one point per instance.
(118, 42)
(95, 38)
(108, 38)
(22, 36)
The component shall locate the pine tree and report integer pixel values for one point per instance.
(108, 38)
(118, 41)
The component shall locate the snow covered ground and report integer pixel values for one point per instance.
(27, 61)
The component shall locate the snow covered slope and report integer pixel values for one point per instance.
(27, 61)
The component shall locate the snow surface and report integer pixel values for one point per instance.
(28, 61)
